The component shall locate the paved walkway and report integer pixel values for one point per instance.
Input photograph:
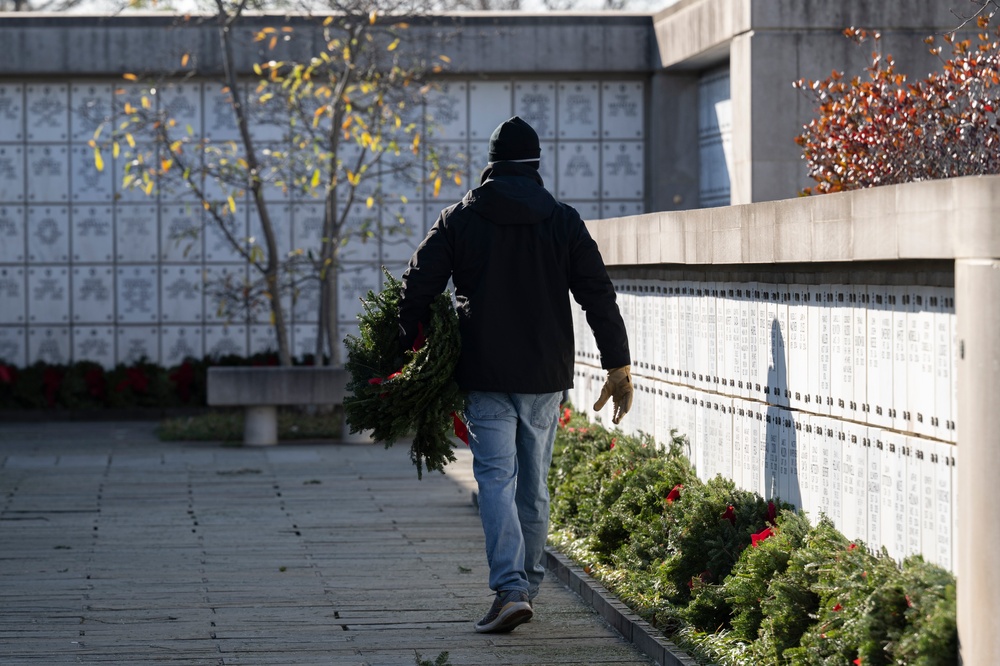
(117, 548)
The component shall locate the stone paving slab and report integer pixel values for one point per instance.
(121, 549)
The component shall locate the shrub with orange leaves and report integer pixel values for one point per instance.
(880, 129)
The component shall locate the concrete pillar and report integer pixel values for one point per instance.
(673, 142)
(260, 426)
(977, 307)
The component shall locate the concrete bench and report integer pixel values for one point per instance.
(261, 390)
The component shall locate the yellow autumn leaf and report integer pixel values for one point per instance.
(165, 165)
(184, 59)
(92, 143)
(175, 147)
(232, 203)
(130, 140)
(257, 70)
(115, 149)
(98, 160)
(327, 21)
(372, 17)
(206, 205)
(146, 104)
(444, 58)
(370, 202)
(315, 179)
(148, 189)
(129, 109)
(395, 43)
(437, 186)
(273, 42)
(128, 76)
(458, 179)
(404, 199)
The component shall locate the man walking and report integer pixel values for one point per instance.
(515, 254)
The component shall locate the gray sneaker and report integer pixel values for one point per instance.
(510, 608)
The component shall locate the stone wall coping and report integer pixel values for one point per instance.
(481, 43)
(954, 218)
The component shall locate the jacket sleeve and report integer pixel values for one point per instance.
(593, 290)
(426, 276)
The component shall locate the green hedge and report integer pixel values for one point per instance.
(88, 385)
(735, 579)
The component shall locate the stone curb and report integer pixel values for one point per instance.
(632, 628)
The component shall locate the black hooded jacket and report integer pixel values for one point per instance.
(514, 254)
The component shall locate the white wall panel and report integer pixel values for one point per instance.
(13, 295)
(48, 295)
(448, 111)
(48, 167)
(137, 234)
(621, 106)
(50, 344)
(622, 170)
(180, 343)
(92, 234)
(137, 294)
(48, 234)
(225, 341)
(219, 282)
(535, 103)
(94, 343)
(355, 283)
(94, 295)
(183, 102)
(12, 234)
(579, 110)
(12, 174)
(47, 112)
(135, 343)
(579, 171)
(489, 105)
(90, 109)
(181, 294)
(13, 345)
(181, 237)
(12, 111)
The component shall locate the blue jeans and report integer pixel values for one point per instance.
(511, 436)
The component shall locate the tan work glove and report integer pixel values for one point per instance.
(618, 387)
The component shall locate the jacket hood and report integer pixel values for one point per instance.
(510, 194)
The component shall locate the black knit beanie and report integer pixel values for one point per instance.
(514, 141)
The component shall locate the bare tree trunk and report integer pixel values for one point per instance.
(271, 272)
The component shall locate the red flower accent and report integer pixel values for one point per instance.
(135, 379)
(760, 536)
(730, 515)
(375, 381)
(564, 419)
(772, 513)
(183, 379)
(52, 380)
(96, 385)
(675, 493)
(6, 374)
(852, 546)
(837, 608)
(857, 661)
(614, 440)
(461, 430)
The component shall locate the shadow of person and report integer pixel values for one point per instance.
(781, 478)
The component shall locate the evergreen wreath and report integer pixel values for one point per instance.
(395, 394)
